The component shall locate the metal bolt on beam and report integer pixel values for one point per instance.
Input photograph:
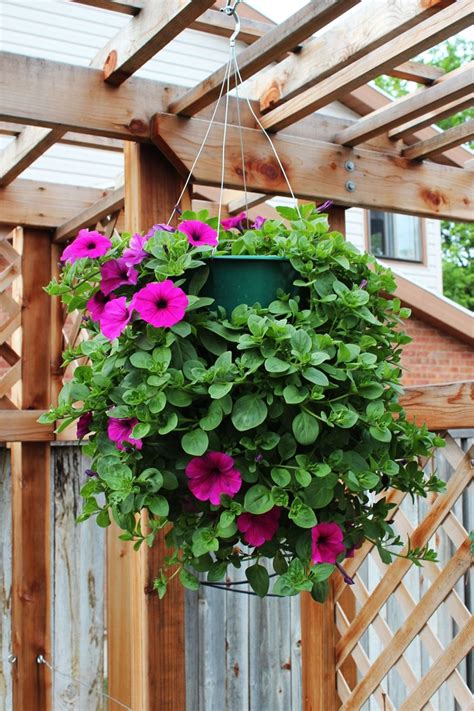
(350, 186)
(349, 165)
(12, 659)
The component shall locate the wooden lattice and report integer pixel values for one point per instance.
(10, 317)
(417, 619)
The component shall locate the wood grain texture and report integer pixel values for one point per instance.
(22, 426)
(417, 71)
(20, 153)
(31, 491)
(441, 406)
(454, 136)
(351, 38)
(267, 49)
(432, 116)
(6, 669)
(457, 86)
(403, 47)
(155, 26)
(111, 203)
(315, 169)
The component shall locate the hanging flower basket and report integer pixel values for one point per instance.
(245, 391)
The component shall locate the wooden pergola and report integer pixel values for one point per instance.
(389, 159)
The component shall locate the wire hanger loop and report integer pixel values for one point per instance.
(231, 10)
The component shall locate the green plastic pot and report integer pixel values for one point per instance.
(235, 280)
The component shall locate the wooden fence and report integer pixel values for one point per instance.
(405, 646)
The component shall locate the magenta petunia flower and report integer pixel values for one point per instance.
(134, 253)
(212, 475)
(119, 431)
(83, 425)
(160, 303)
(96, 304)
(115, 317)
(258, 528)
(326, 543)
(159, 228)
(87, 244)
(234, 222)
(199, 233)
(259, 222)
(116, 273)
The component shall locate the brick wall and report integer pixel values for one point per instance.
(434, 357)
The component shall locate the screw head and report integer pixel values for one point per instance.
(350, 186)
(11, 658)
(349, 165)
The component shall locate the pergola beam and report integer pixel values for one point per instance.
(20, 153)
(409, 107)
(431, 117)
(91, 215)
(444, 24)
(418, 72)
(364, 29)
(251, 60)
(144, 35)
(454, 136)
(315, 168)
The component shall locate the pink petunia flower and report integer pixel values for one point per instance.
(135, 254)
(119, 431)
(212, 475)
(97, 303)
(258, 528)
(87, 244)
(198, 233)
(83, 425)
(326, 543)
(234, 222)
(115, 317)
(161, 303)
(116, 273)
(259, 222)
(159, 228)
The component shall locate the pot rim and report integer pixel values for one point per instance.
(256, 257)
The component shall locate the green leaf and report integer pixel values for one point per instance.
(275, 365)
(195, 442)
(318, 496)
(249, 411)
(141, 430)
(213, 418)
(371, 391)
(218, 390)
(302, 515)
(303, 477)
(301, 342)
(103, 519)
(258, 578)
(182, 328)
(305, 428)
(258, 499)
(204, 541)
(281, 477)
(322, 571)
(158, 505)
(316, 376)
(157, 403)
(188, 580)
(382, 434)
(170, 424)
(178, 398)
(321, 470)
(320, 591)
(294, 395)
(141, 359)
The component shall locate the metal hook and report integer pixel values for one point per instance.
(231, 10)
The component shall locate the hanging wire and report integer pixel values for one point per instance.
(224, 139)
(40, 659)
(241, 137)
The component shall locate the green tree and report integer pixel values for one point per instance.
(457, 239)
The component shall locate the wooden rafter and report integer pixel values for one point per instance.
(108, 205)
(425, 35)
(431, 117)
(364, 29)
(457, 86)
(7, 128)
(454, 136)
(317, 169)
(20, 153)
(144, 35)
(417, 71)
(251, 60)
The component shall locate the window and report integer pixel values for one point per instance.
(395, 236)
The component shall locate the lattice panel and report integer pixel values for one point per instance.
(408, 630)
(10, 318)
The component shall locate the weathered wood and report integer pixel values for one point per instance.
(41, 204)
(397, 570)
(454, 136)
(350, 39)
(442, 667)
(432, 599)
(155, 26)
(90, 216)
(22, 426)
(6, 668)
(236, 206)
(315, 169)
(440, 406)
(455, 87)
(431, 117)
(31, 582)
(125, 7)
(417, 71)
(20, 153)
(251, 60)
(155, 627)
(428, 33)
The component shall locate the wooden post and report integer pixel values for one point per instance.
(31, 498)
(142, 630)
(318, 624)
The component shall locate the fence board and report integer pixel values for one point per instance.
(5, 581)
